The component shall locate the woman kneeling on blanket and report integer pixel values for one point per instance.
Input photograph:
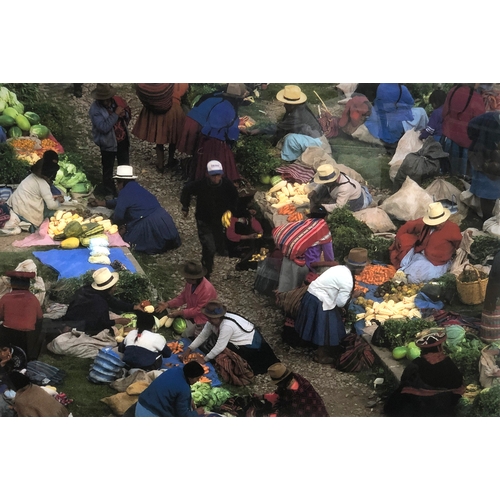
(225, 329)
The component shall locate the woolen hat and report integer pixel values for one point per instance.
(103, 91)
(436, 214)
(235, 90)
(326, 173)
(291, 94)
(124, 172)
(214, 167)
(20, 274)
(193, 270)
(104, 279)
(357, 257)
(214, 309)
(278, 372)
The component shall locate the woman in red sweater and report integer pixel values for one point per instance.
(423, 248)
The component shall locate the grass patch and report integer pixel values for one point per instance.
(10, 260)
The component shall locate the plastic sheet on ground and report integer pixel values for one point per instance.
(74, 263)
(175, 361)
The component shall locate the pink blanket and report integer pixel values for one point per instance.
(41, 238)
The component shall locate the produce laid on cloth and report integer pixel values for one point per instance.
(70, 178)
(70, 224)
(283, 193)
(375, 274)
(382, 311)
(209, 397)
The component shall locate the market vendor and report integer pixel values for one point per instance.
(431, 385)
(298, 129)
(92, 304)
(143, 222)
(334, 189)
(197, 292)
(303, 243)
(320, 316)
(226, 329)
(490, 317)
(423, 248)
(33, 200)
(22, 315)
(169, 395)
(294, 395)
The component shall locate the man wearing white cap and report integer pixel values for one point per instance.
(423, 248)
(215, 194)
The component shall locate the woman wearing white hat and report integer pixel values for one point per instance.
(143, 222)
(423, 248)
(335, 189)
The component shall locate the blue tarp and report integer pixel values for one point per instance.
(175, 361)
(74, 263)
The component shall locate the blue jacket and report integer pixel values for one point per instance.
(169, 395)
(103, 132)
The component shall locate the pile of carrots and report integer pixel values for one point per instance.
(48, 144)
(206, 369)
(362, 289)
(376, 275)
(291, 211)
(24, 144)
(205, 380)
(192, 357)
(176, 347)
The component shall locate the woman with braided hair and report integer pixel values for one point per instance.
(161, 119)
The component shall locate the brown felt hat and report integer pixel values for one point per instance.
(235, 90)
(278, 372)
(103, 91)
(193, 270)
(214, 309)
(357, 257)
(432, 339)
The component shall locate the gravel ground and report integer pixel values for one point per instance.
(344, 394)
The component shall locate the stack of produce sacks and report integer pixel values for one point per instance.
(107, 367)
(99, 251)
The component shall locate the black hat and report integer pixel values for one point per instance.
(193, 369)
(318, 212)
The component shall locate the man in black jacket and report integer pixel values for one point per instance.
(215, 195)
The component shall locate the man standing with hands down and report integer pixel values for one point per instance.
(215, 194)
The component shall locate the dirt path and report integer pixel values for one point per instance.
(343, 393)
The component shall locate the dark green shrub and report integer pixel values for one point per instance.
(12, 169)
(52, 116)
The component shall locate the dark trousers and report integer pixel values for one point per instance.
(108, 164)
(30, 342)
(213, 240)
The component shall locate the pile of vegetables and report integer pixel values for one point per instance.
(396, 291)
(16, 121)
(485, 404)
(466, 355)
(69, 177)
(399, 332)
(483, 247)
(349, 232)
(209, 397)
(12, 168)
(285, 193)
(384, 311)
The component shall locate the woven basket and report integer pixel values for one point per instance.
(473, 292)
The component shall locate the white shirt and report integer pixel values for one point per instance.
(333, 288)
(29, 197)
(148, 340)
(228, 332)
(348, 190)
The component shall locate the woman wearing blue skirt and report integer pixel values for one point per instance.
(319, 319)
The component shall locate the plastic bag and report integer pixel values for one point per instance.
(376, 219)
(363, 134)
(12, 226)
(409, 203)
(492, 225)
(409, 143)
(37, 286)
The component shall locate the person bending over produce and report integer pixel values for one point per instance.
(335, 189)
(319, 319)
(237, 334)
(197, 292)
(143, 222)
(169, 395)
(431, 385)
(33, 199)
(423, 248)
(142, 348)
(294, 395)
(92, 303)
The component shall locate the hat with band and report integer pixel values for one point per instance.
(104, 279)
(436, 214)
(326, 173)
(291, 94)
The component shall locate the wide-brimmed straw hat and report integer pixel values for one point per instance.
(193, 270)
(291, 94)
(124, 172)
(358, 257)
(278, 372)
(103, 91)
(326, 173)
(432, 339)
(214, 309)
(436, 214)
(235, 90)
(104, 279)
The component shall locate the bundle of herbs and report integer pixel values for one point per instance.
(482, 248)
(398, 332)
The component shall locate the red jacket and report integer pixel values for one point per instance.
(439, 246)
(194, 301)
(20, 310)
(457, 113)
